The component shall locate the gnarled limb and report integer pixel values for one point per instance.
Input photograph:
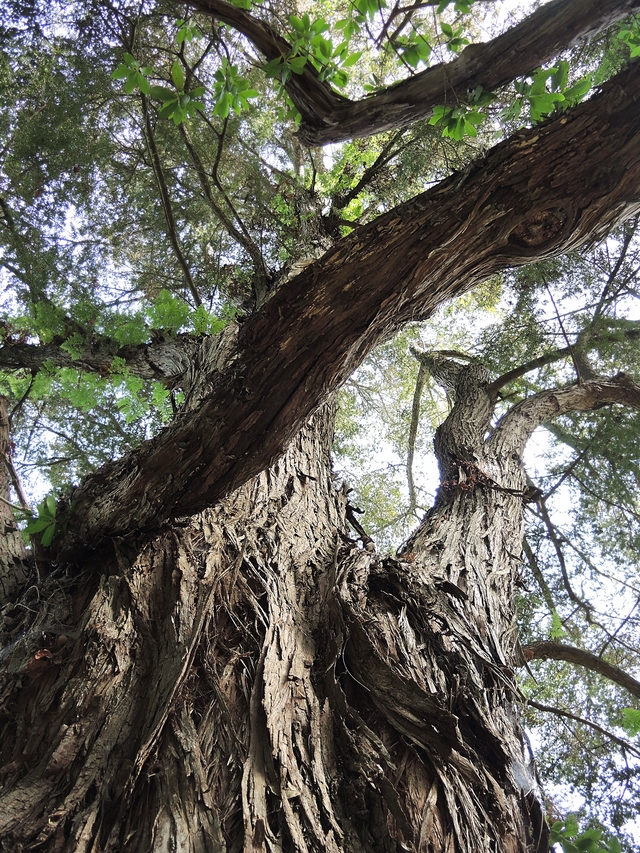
(328, 117)
(166, 361)
(516, 427)
(549, 650)
(312, 333)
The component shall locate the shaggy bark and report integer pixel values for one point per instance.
(545, 191)
(248, 682)
(328, 117)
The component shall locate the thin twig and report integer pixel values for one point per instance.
(165, 199)
(560, 713)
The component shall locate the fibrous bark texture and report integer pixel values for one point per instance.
(249, 680)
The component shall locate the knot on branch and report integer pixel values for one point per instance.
(447, 373)
(540, 227)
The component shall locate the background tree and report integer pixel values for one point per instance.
(197, 653)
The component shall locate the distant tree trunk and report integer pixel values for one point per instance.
(12, 551)
(251, 680)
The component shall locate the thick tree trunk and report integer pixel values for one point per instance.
(251, 681)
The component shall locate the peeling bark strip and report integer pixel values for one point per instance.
(245, 683)
(576, 176)
(329, 117)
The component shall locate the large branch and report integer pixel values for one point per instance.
(546, 191)
(515, 428)
(165, 360)
(545, 650)
(328, 117)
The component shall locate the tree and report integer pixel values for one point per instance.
(197, 654)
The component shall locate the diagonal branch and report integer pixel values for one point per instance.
(165, 198)
(515, 428)
(559, 712)
(521, 370)
(328, 117)
(317, 327)
(549, 650)
(240, 234)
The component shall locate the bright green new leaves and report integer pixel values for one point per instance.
(547, 90)
(369, 8)
(455, 39)
(462, 120)
(457, 122)
(45, 522)
(461, 6)
(168, 312)
(630, 35)
(567, 834)
(177, 104)
(134, 75)
(178, 107)
(308, 35)
(186, 31)
(631, 721)
(232, 92)
(309, 43)
(413, 51)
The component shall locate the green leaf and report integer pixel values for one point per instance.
(560, 76)
(296, 23)
(120, 73)
(351, 59)
(143, 84)
(47, 536)
(50, 503)
(161, 93)
(223, 107)
(297, 64)
(574, 94)
(177, 75)
(169, 108)
(37, 525)
(541, 105)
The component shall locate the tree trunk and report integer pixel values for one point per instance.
(251, 680)
(12, 551)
